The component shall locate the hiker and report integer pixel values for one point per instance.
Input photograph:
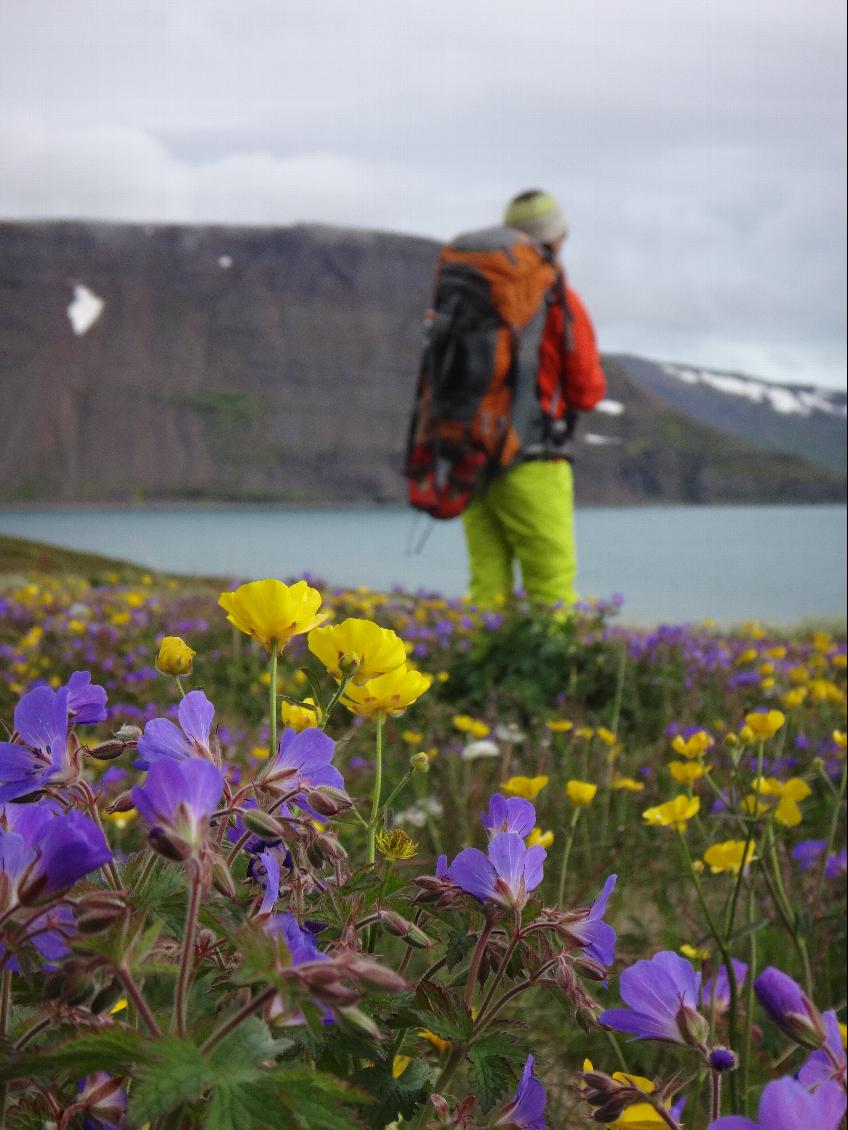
(510, 360)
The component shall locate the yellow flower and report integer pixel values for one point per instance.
(394, 843)
(798, 674)
(686, 772)
(793, 698)
(639, 1116)
(606, 736)
(694, 746)
(527, 787)
(839, 739)
(121, 819)
(629, 784)
(299, 716)
(438, 1043)
(790, 792)
(119, 1006)
(728, 856)
(580, 793)
(764, 725)
(174, 656)
(442, 676)
(674, 813)
(693, 953)
(749, 655)
(538, 838)
(468, 725)
(400, 1064)
(823, 690)
(388, 694)
(411, 737)
(272, 612)
(585, 732)
(559, 725)
(358, 646)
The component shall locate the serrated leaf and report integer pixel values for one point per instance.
(394, 1097)
(490, 1078)
(180, 1074)
(237, 1057)
(458, 946)
(116, 1050)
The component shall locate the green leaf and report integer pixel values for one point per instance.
(458, 946)
(179, 1075)
(490, 1077)
(394, 1097)
(116, 1050)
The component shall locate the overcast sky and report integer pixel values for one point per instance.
(697, 146)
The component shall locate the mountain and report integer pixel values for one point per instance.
(156, 363)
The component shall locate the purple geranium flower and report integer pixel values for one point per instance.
(807, 852)
(104, 1100)
(836, 864)
(506, 876)
(177, 800)
(587, 929)
(41, 723)
(303, 762)
(527, 1109)
(786, 1104)
(43, 853)
(662, 995)
(790, 1008)
(715, 993)
(513, 814)
(827, 1062)
(86, 700)
(301, 943)
(162, 740)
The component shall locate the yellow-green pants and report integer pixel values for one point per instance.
(524, 515)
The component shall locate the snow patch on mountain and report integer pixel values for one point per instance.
(780, 398)
(84, 309)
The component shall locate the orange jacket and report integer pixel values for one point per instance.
(569, 378)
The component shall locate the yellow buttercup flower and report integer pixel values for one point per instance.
(468, 725)
(585, 732)
(389, 694)
(412, 737)
(674, 813)
(526, 787)
(174, 656)
(580, 793)
(360, 647)
(686, 772)
(394, 843)
(559, 725)
(790, 792)
(438, 1043)
(606, 736)
(794, 698)
(693, 746)
(839, 739)
(628, 784)
(824, 690)
(764, 725)
(538, 838)
(639, 1116)
(694, 953)
(272, 612)
(299, 716)
(728, 856)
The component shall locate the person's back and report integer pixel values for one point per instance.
(524, 512)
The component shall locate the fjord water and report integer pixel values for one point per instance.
(779, 564)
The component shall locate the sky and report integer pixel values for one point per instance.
(697, 148)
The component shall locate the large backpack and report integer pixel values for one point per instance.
(477, 400)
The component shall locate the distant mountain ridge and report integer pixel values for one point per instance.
(278, 364)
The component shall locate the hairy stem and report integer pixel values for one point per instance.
(180, 1018)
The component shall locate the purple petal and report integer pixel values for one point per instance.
(473, 872)
(506, 853)
(734, 1122)
(819, 1067)
(272, 881)
(786, 1104)
(600, 904)
(41, 719)
(308, 750)
(641, 1025)
(71, 847)
(161, 739)
(86, 700)
(534, 862)
(195, 714)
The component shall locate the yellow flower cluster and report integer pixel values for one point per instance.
(789, 793)
(468, 725)
(674, 813)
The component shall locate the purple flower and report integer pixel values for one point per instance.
(527, 1109)
(807, 852)
(836, 865)
(86, 700)
(786, 1104)
(513, 814)
(43, 853)
(177, 800)
(303, 762)
(41, 722)
(587, 929)
(715, 993)
(506, 876)
(826, 1064)
(301, 943)
(790, 1008)
(162, 740)
(104, 1100)
(662, 995)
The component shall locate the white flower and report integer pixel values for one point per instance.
(483, 748)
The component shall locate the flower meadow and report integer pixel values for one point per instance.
(291, 856)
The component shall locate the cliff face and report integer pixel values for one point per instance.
(142, 363)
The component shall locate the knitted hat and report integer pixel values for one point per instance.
(538, 215)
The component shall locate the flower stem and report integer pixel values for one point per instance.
(474, 969)
(834, 825)
(715, 1095)
(180, 1018)
(136, 996)
(272, 703)
(377, 789)
(238, 1017)
(331, 705)
(563, 871)
(749, 999)
(180, 686)
(5, 1006)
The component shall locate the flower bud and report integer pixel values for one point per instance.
(169, 845)
(127, 733)
(612, 1108)
(395, 924)
(349, 663)
(124, 803)
(106, 751)
(328, 801)
(419, 763)
(97, 912)
(693, 1027)
(377, 976)
(262, 824)
(359, 1020)
(589, 968)
(222, 880)
(722, 1059)
(790, 1008)
(174, 656)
